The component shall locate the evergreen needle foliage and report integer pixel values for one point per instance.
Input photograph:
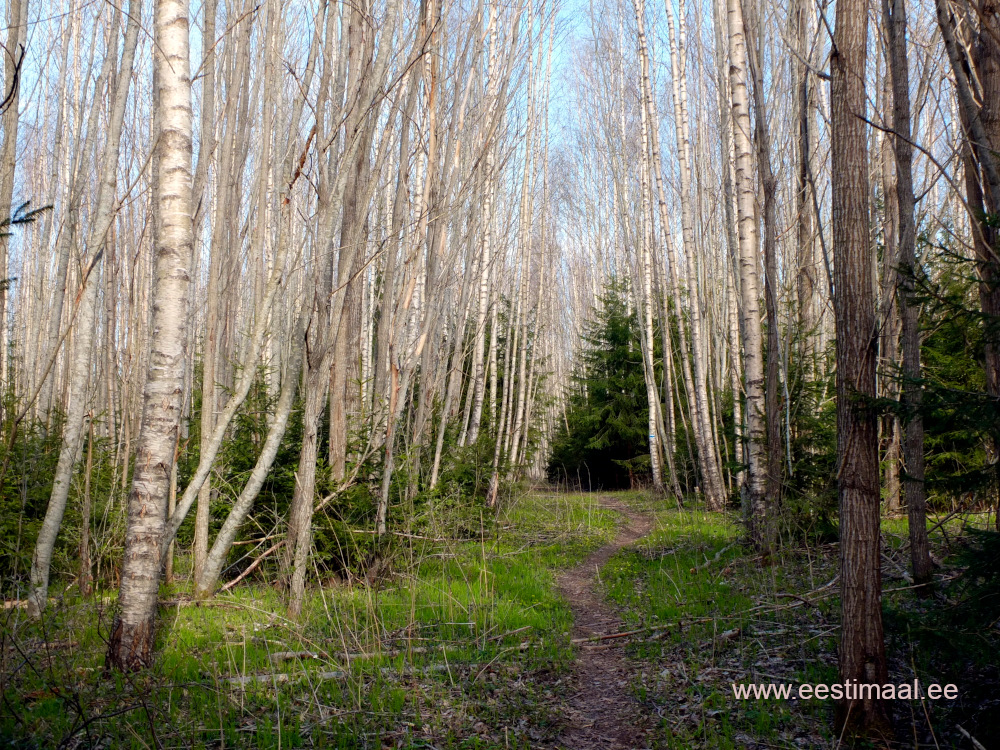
(602, 441)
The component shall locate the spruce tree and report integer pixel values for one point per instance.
(602, 441)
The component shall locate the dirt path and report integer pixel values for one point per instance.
(602, 712)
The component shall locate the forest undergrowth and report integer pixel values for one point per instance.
(457, 648)
(719, 615)
(467, 645)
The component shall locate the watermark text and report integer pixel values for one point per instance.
(850, 690)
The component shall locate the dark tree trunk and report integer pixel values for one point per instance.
(986, 200)
(86, 580)
(345, 395)
(981, 125)
(862, 645)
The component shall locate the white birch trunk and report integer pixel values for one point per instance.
(133, 632)
(754, 501)
(707, 454)
(646, 299)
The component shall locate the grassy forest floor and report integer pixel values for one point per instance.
(498, 639)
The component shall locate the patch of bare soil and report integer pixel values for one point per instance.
(602, 712)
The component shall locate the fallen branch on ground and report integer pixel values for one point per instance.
(197, 603)
(642, 631)
(800, 598)
(289, 655)
(975, 743)
(728, 635)
(509, 632)
(715, 559)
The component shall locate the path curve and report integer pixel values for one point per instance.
(602, 711)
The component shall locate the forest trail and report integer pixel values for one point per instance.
(602, 711)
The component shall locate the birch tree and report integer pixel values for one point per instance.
(133, 632)
(17, 35)
(652, 394)
(707, 454)
(769, 187)
(755, 489)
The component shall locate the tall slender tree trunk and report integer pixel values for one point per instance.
(672, 274)
(889, 316)
(708, 459)
(318, 344)
(806, 106)
(645, 250)
(769, 186)
(86, 325)
(526, 220)
(209, 406)
(486, 252)
(345, 401)
(862, 645)
(86, 578)
(981, 124)
(501, 425)
(894, 15)
(209, 400)
(62, 248)
(133, 632)
(17, 35)
(479, 363)
(515, 344)
(388, 319)
(732, 282)
(755, 489)
(299, 538)
(670, 427)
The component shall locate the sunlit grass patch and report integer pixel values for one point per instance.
(673, 575)
(445, 652)
(712, 615)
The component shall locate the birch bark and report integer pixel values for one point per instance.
(132, 633)
(707, 453)
(754, 500)
(652, 395)
(769, 186)
(17, 35)
(486, 252)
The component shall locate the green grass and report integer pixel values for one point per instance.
(732, 620)
(692, 581)
(467, 644)
(455, 650)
